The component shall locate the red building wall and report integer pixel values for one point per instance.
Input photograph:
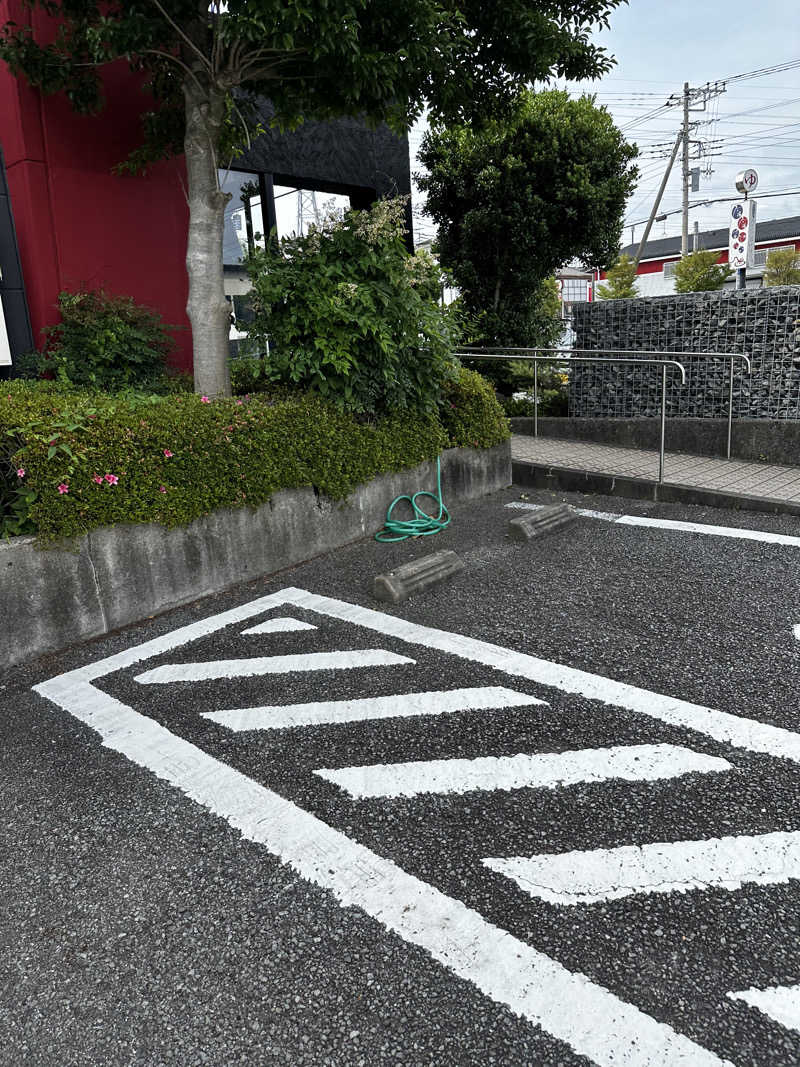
(77, 223)
(656, 266)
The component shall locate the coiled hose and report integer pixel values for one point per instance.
(423, 524)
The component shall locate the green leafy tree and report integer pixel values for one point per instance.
(782, 267)
(519, 196)
(206, 60)
(699, 272)
(620, 283)
(350, 314)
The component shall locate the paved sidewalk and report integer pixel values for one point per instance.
(763, 480)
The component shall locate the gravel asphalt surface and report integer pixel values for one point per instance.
(136, 927)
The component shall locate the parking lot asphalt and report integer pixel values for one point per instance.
(546, 813)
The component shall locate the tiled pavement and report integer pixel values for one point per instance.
(764, 480)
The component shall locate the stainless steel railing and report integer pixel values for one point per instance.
(624, 356)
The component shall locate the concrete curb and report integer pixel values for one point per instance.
(54, 598)
(564, 479)
(753, 440)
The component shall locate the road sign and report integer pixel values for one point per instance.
(747, 181)
(742, 234)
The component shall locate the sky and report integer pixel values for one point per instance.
(660, 44)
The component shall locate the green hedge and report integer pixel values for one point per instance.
(108, 454)
(470, 412)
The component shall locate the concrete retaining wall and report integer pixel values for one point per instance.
(756, 440)
(53, 598)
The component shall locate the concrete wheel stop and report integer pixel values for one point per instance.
(542, 522)
(416, 576)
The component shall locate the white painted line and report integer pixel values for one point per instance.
(796, 631)
(243, 668)
(282, 625)
(720, 725)
(570, 1007)
(321, 713)
(665, 867)
(633, 763)
(673, 524)
(781, 1003)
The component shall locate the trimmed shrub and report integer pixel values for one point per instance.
(470, 412)
(88, 461)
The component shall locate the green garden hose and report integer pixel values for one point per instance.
(423, 524)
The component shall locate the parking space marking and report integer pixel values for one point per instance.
(208, 670)
(633, 763)
(590, 1019)
(664, 867)
(781, 1003)
(280, 625)
(719, 725)
(674, 524)
(400, 705)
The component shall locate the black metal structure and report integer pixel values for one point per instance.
(341, 156)
(12, 287)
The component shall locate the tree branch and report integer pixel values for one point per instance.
(175, 59)
(202, 57)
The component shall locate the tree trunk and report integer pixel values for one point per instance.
(207, 308)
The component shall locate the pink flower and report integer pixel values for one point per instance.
(240, 402)
(98, 478)
(162, 488)
(20, 472)
(63, 489)
(168, 454)
(204, 400)
(112, 479)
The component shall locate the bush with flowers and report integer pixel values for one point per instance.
(72, 461)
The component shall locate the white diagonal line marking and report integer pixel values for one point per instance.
(633, 763)
(400, 705)
(207, 670)
(282, 625)
(664, 867)
(721, 725)
(568, 1006)
(781, 1003)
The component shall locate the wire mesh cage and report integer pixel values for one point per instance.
(763, 323)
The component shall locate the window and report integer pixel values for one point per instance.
(244, 218)
(575, 290)
(669, 268)
(760, 255)
(297, 209)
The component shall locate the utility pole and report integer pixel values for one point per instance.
(657, 201)
(692, 100)
(685, 183)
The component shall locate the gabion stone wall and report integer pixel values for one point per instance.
(762, 323)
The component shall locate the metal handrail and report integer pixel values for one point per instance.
(498, 352)
(620, 351)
